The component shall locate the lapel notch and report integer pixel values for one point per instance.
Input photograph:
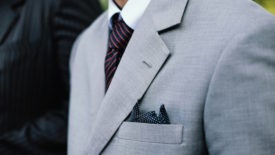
(167, 13)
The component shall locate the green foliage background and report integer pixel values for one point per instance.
(268, 4)
(104, 4)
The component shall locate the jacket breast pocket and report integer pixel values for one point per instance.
(151, 133)
(146, 139)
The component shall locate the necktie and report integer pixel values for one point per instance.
(118, 40)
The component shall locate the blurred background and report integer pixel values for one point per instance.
(268, 4)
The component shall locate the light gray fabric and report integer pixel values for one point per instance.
(211, 62)
(168, 134)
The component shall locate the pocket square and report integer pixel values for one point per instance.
(149, 117)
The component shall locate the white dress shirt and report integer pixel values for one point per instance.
(130, 13)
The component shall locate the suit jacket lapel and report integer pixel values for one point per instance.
(8, 18)
(145, 55)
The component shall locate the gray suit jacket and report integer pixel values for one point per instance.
(211, 62)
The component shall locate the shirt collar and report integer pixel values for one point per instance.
(131, 12)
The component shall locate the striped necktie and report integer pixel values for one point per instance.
(118, 40)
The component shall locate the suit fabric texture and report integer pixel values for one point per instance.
(36, 37)
(210, 62)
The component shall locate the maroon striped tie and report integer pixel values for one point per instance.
(118, 40)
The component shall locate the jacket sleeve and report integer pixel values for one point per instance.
(239, 116)
(47, 135)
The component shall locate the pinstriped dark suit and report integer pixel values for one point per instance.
(35, 40)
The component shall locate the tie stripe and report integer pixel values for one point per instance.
(118, 40)
(108, 67)
(116, 31)
(126, 28)
(108, 60)
(121, 30)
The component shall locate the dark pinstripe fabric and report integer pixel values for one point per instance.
(28, 72)
(35, 44)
